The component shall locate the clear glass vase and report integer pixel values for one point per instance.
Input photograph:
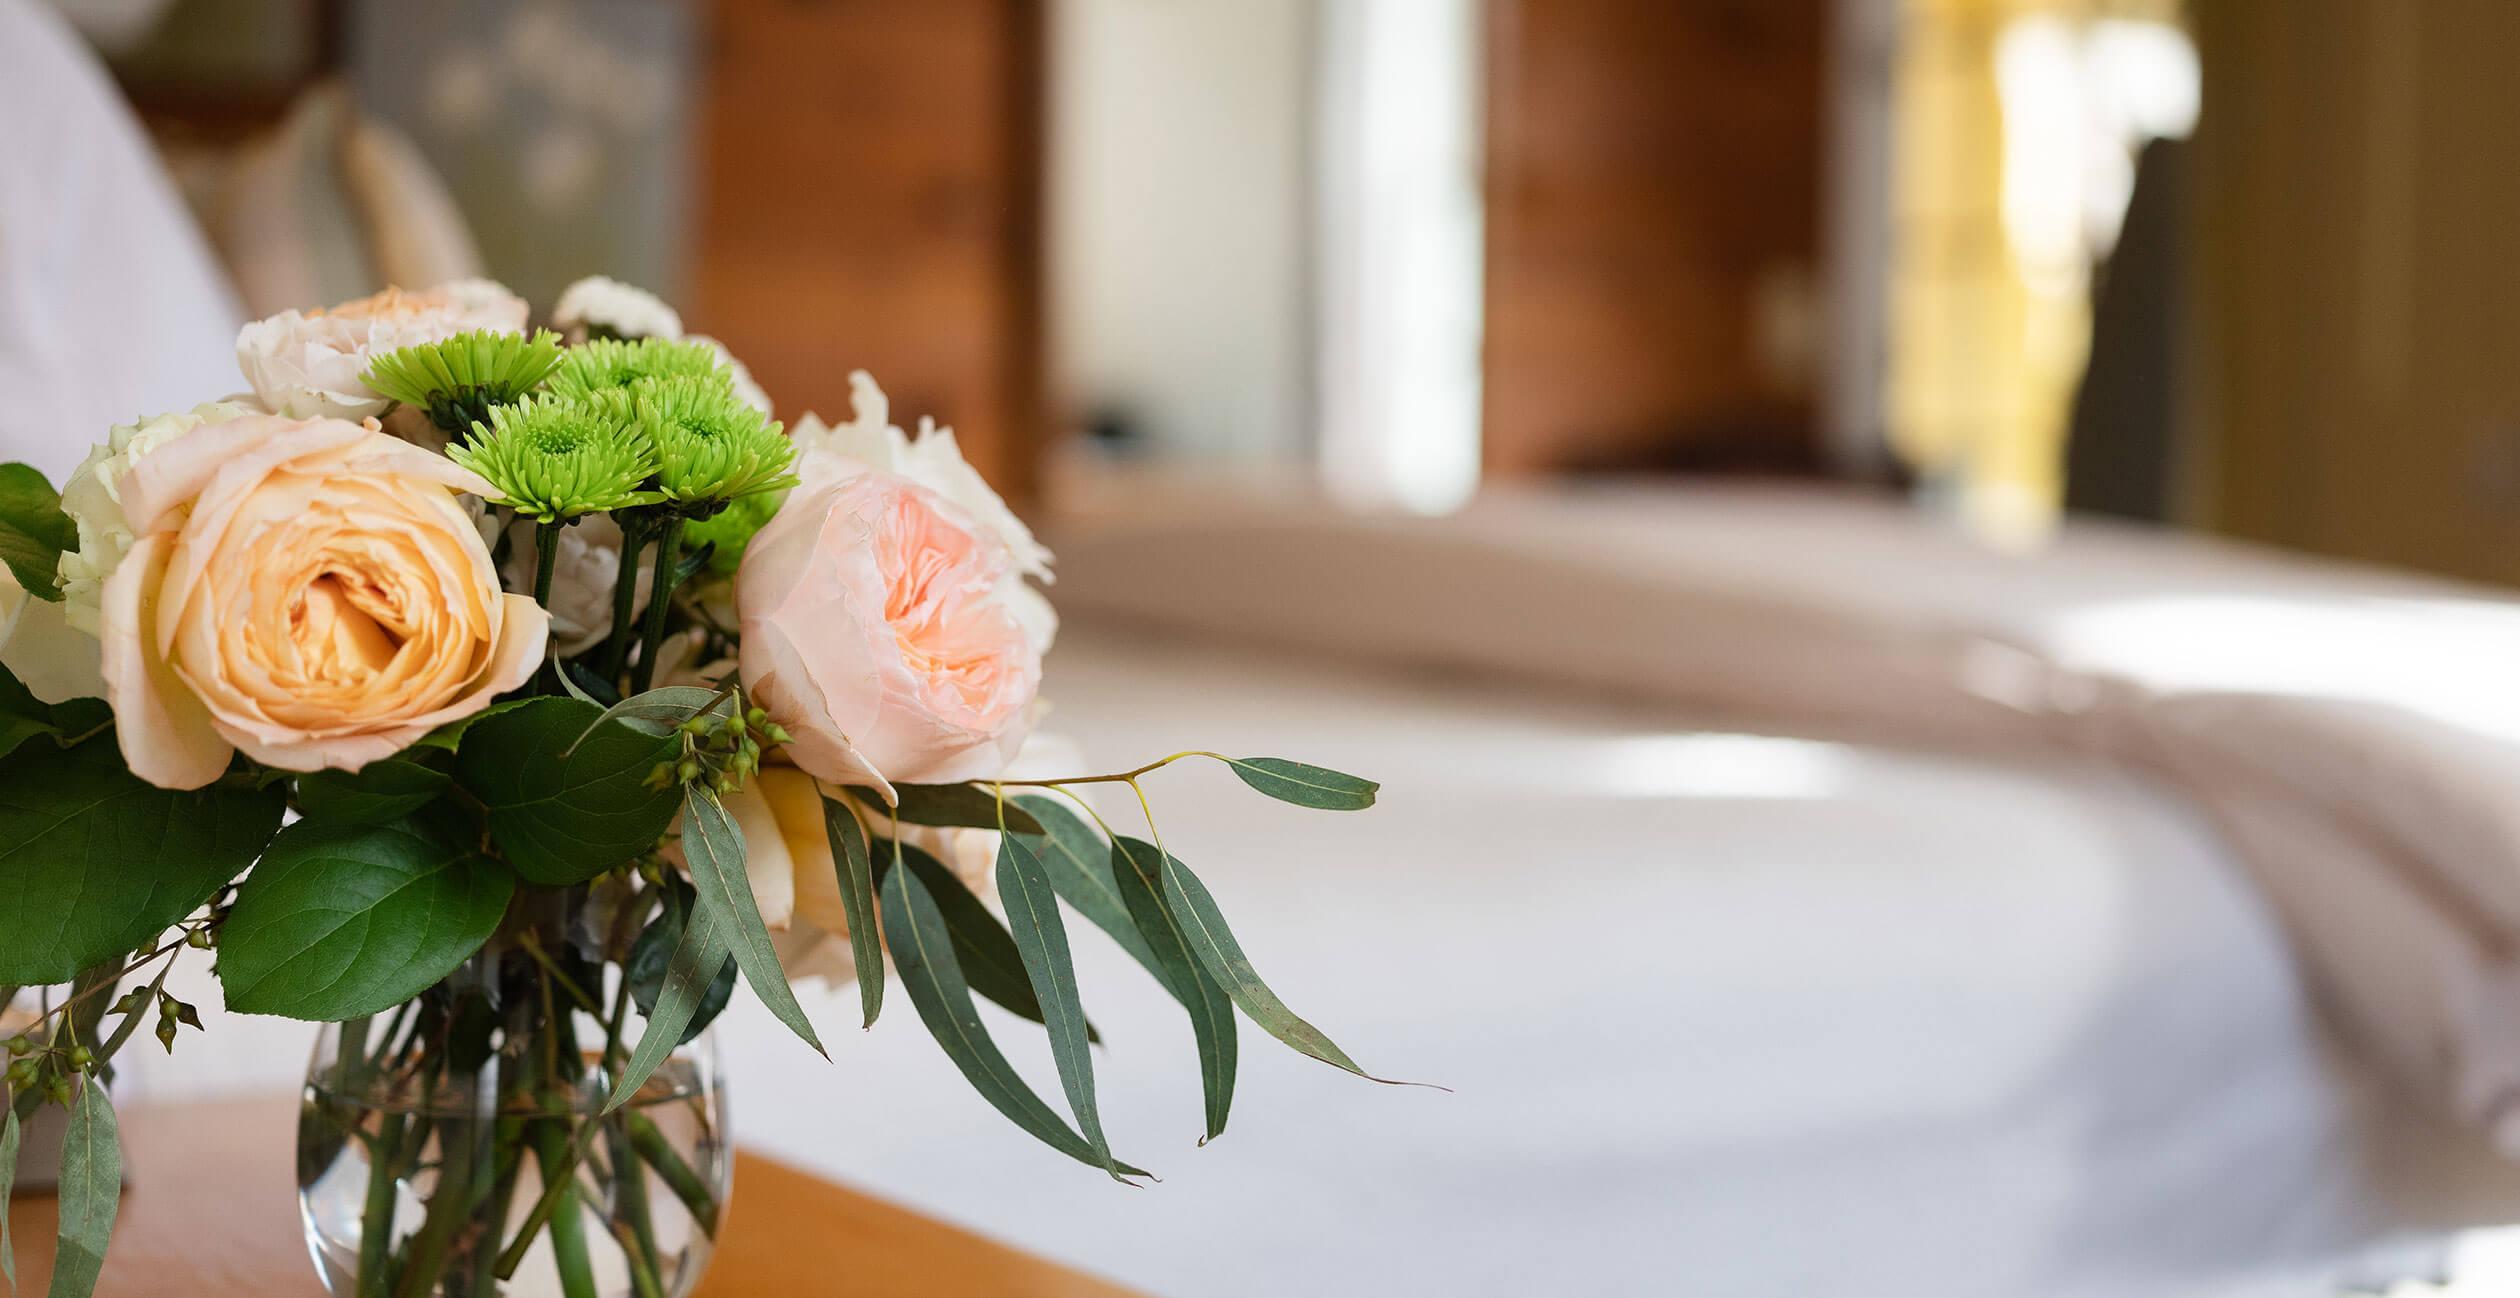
(429, 1138)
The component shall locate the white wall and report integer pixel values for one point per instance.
(1180, 180)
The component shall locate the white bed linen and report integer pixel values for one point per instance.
(1723, 1015)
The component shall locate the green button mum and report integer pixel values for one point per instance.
(555, 458)
(601, 364)
(710, 446)
(461, 380)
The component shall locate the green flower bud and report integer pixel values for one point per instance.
(461, 380)
(554, 459)
(732, 529)
(710, 446)
(605, 363)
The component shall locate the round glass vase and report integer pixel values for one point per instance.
(431, 1136)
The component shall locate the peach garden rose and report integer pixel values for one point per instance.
(877, 628)
(309, 591)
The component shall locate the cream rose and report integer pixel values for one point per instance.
(307, 364)
(312, 592)
(93, 499)
(876, 629)
(52, 660)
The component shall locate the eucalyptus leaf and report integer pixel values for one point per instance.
(714, 847)
(95, 861)
(90, 1192)
(669, 705)
(1306, 786)
(856, 869)
(340, 921)
(375, 794)
(964, 806)
(33, 530)
(562, 820)
(1032, 915)
(1079, 863)
(699, 959)
(1137, 873)
(923, 953)
(1203, 928)
(982, 946)
(651, 958)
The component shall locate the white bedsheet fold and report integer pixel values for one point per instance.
(2355, 732)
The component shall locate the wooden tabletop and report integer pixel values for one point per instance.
(212, 1213)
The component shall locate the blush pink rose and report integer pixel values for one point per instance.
(877, 630)
(312, 592)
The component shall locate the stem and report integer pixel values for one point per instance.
(1124, 777)
(568, 1225)
(555, 1185)
(657, 1152)
(625, 598)
(634, 1220)
(660, 600)
(376, 1220)
(546, 557)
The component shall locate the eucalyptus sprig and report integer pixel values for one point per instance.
(460, 380)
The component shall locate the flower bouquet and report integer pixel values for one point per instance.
(501, 699)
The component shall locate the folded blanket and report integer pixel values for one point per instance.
(2349, 728)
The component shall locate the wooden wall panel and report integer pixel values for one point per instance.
(871, 182)
(1650, 161)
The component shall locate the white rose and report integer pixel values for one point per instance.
(599, 302)
(934, 460)
(92, 497)
(581, 579)
(307, 364)
(38, 645)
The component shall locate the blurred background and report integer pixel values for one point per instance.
(1791, 439)
(2014, 255)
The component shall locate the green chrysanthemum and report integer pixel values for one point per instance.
(710, 446)
(731, 529)
(553, 458)
(600, 364)
(461, 380)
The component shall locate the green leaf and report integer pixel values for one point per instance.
(1080, 868)
(700, 957)
(1032, 914)
(1305, 786)
(451, 735)
(341, 921)
(651, 960)
(10, 1133)
(715, 849)
(375, 794)
(95, 861)
(90, 1192)
(33, 530)
(24, 717)
(1138, 875)
(562, 820)
(983, 947)
(923, 953)
(964, 806)
(1203, 929)
(857, 897)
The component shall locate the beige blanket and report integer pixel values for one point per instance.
(2356, 732)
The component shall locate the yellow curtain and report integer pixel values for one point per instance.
(1990, 319)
